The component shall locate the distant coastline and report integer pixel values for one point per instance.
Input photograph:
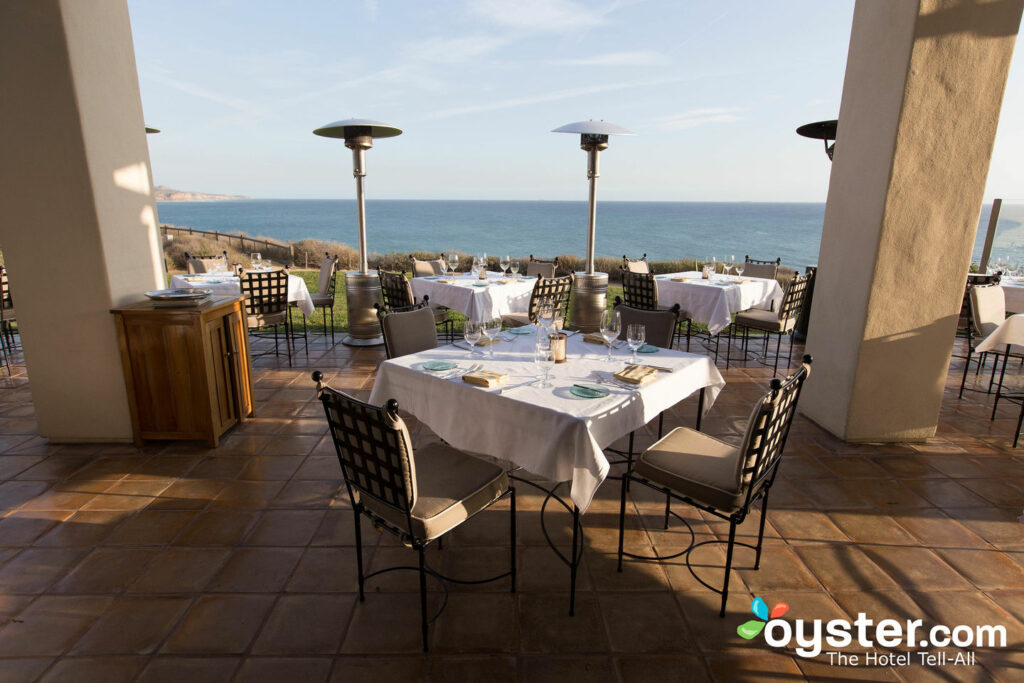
(162, 193)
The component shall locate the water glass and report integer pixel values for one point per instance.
(257, 260)
(546, 314)
(610, 328)
(471, 332)
(491, 329)
(544, 356)
(505, 260)
(636, 335)
(513, 268)
(453, 261)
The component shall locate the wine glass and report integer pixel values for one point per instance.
(513, 268)
(636, 334)
(453, 262)
(257, 260)
(545, 313)
(740, 267)
(610, 327)
(471, 332)
(490, 329)
(730, 264)
(505, 260)
(544, 356)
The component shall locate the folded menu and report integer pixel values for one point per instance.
(487, 342)
(594, 338)
(447, 282)
(486, 378)
(504, 281)
(683, 279)
(636, 374)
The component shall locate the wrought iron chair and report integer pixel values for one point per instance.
(196, 265)
(323, 297)
(753, 267)
(778, 322)
(636, 265)
(538, 268)
(640, 290)
(421, 268)
(407, 330)
(554, 289)
(660, 324)
(419, 505)
(396, 291)
(964, 321)
(266, 304)
(986, 308)
(719, 478)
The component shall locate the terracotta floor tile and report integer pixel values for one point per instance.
(805, 526)
(132, 626)
(935, 529)
(247, 495)
(644, 622)
(271, 468)
(94, 670)
(188, 494)
(638, 669)
(327, 570)
(872, 527)
(256, 570)
(218, 467)
(388, 623)
(584, 669)
(916, 568)
(193, 670)
(24, 527)
(755, 666)
(844, 567)
(219, 624)
(852, 467)
(52, 468)
(275, 670)
(151, 527)
(888, 493)
(218, 527)
(355, 669)
(320, 466)
(546, 626)
(181, 570)
(107, 570)
(475, 623)
(987, 569)
(23, 668)
(781, 569)
(305, 625)
(286, 527)
(50, 624)
(83, 529)
(946, 493)
(308, 494)
(36, 569)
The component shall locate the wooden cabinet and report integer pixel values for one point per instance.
(187, 370)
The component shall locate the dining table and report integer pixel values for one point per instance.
(558, 431)
(714, 300)
(477, 299)
(1013, 290)
(226, 284)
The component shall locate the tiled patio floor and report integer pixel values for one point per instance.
(178, 563)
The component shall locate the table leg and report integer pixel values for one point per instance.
(574, 563)
(700, 407)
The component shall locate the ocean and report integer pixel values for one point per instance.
(662, 230)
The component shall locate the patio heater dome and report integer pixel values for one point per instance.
(150, 129)
(591, 288)
(362, 286)
(821, 130)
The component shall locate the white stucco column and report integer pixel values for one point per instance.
(921, 99)
(77, 217)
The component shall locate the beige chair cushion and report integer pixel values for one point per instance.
(640, 266)
(451, 487)
(326, 271)
(764, 320)
(660, 326)
(267, 319)
(515, 319)
(988, 308)
(695, 465)
(321, 299)
(409, 332)
(765, 270)
(540, 269)
(427, 268)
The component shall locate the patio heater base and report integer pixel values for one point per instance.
(363, 291)
(590, 299)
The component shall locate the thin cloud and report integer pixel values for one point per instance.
(638, 58)
(452, 50)
(699, 117)
(553, 16)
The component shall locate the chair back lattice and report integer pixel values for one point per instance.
(767, 431)
(395, 290)
(555, 289)
(537, 268)
(5, 290)
(373, 447)
(793, 299)
(328, 272)
(639, 290)
(267, 291)
(636, 265)
(660, 326)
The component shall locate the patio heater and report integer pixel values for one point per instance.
(820, 130)
(150, 130)
(591, 296)
(362, 286)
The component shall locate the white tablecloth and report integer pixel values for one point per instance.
(1011, 331)
(477, 303)
(713, 301)
(228, 284)
(546, 431)
(1014, 292)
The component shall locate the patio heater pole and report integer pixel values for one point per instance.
(591, 297)
(362, 286)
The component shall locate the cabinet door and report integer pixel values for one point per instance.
(238, 339)
(222, 387)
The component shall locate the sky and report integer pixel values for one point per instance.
(714, 91)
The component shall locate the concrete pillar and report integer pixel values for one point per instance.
(77, 217)
(924, 85)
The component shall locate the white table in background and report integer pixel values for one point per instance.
(298, 292)
(714, 301)
(464, 294)
(1013, 290)
(546, 431)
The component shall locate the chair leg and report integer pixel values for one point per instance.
(1020, 420)
(688, 324)
(1002, 375)
(359, 553)
(423, 599)
(305, 334)
(668, 508)
(789, 354)
(574, 565)
(778, 349)
(728, 347)
(728, 566)
(760, 531)
(512, 507)
(967, 365)
(622, 514)
(661, 424)
(277, 353)
(332, 325)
